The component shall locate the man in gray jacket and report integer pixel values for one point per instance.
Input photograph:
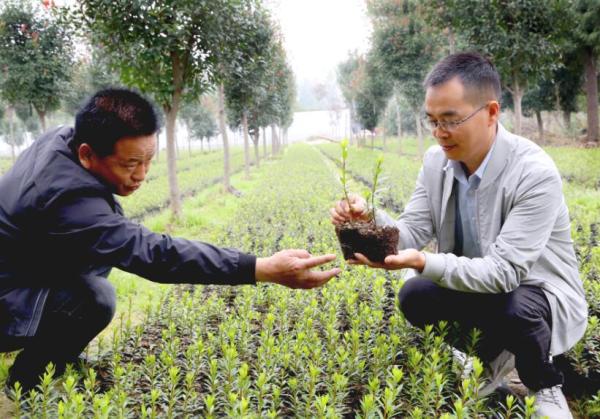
(505, 262)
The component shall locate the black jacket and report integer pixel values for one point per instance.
(58, 223)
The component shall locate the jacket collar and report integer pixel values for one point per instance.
(497, 158)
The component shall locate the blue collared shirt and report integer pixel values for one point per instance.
(467, 222)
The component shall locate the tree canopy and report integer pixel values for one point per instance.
(36, 57)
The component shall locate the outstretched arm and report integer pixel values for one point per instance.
(292, 268)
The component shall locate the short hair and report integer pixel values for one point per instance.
(475, 71)
(112, 114)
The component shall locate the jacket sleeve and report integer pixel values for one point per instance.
(88, 228)
(416, 223)
(524, 235)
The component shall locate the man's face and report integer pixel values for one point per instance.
(469, 141)
(126, 168)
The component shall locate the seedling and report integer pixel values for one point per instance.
(366, 237)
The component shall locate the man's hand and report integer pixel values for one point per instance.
(356, 210)
(409, 258)
(292, 268)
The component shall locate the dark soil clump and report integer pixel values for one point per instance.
(375, 242)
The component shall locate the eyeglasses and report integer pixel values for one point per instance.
(449, 125)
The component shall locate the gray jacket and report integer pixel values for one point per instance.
(524, 231)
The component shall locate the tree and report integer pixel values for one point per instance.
(538, 98)
(587, 38)
(266, 97)
(13, 130)
(246, 82)
(282, 94)
(407, 46)
(170, 49)
(35, 55)
(523, 38)
(373, 94)
(199, 120)
(347, 78)
(287, 99)
(90, 74)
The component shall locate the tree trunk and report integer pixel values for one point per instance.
(540, 123)
(42, 117)
(201, 145)
(177, 152)
(264, 135)
(246, 145)
(350, 134)
(383, 133)
(451, 41)
(256, 151)
(399, 125)
(517, 94)
(591, 93)
(274, 141)
(567, 120)
(10, 113)
(171, 116)
(420, 140)
(189, 146)
(171, 111)
(223, 126)
(157, 156)
(281, 138)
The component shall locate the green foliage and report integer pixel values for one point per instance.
(405, 45)
(266, 351)
(35, 55)
(199, 120)
(374, 90)
(347, 72)
(523, 37)
(13, 131)
(273, 102)
(162, 47)
(587, 30)
(246, 82)
(89, 76)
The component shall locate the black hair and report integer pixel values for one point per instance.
(474, 71)
(112, 114)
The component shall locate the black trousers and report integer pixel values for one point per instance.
(72, 317)
(519, 321)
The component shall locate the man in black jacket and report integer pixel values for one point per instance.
(61, 232)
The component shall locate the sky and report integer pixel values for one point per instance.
(318, 34)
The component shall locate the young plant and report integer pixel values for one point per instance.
(376, 174)
(343, 171)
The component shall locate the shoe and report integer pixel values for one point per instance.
(466, 362)
(551, 403)
(495, 372)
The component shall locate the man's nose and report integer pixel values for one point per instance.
(440, 133)
(140, 173)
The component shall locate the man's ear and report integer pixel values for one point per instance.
(494, 112)
(86, 155)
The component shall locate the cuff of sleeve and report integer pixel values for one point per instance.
(383, 218)
(247, 268)
(435, 266)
